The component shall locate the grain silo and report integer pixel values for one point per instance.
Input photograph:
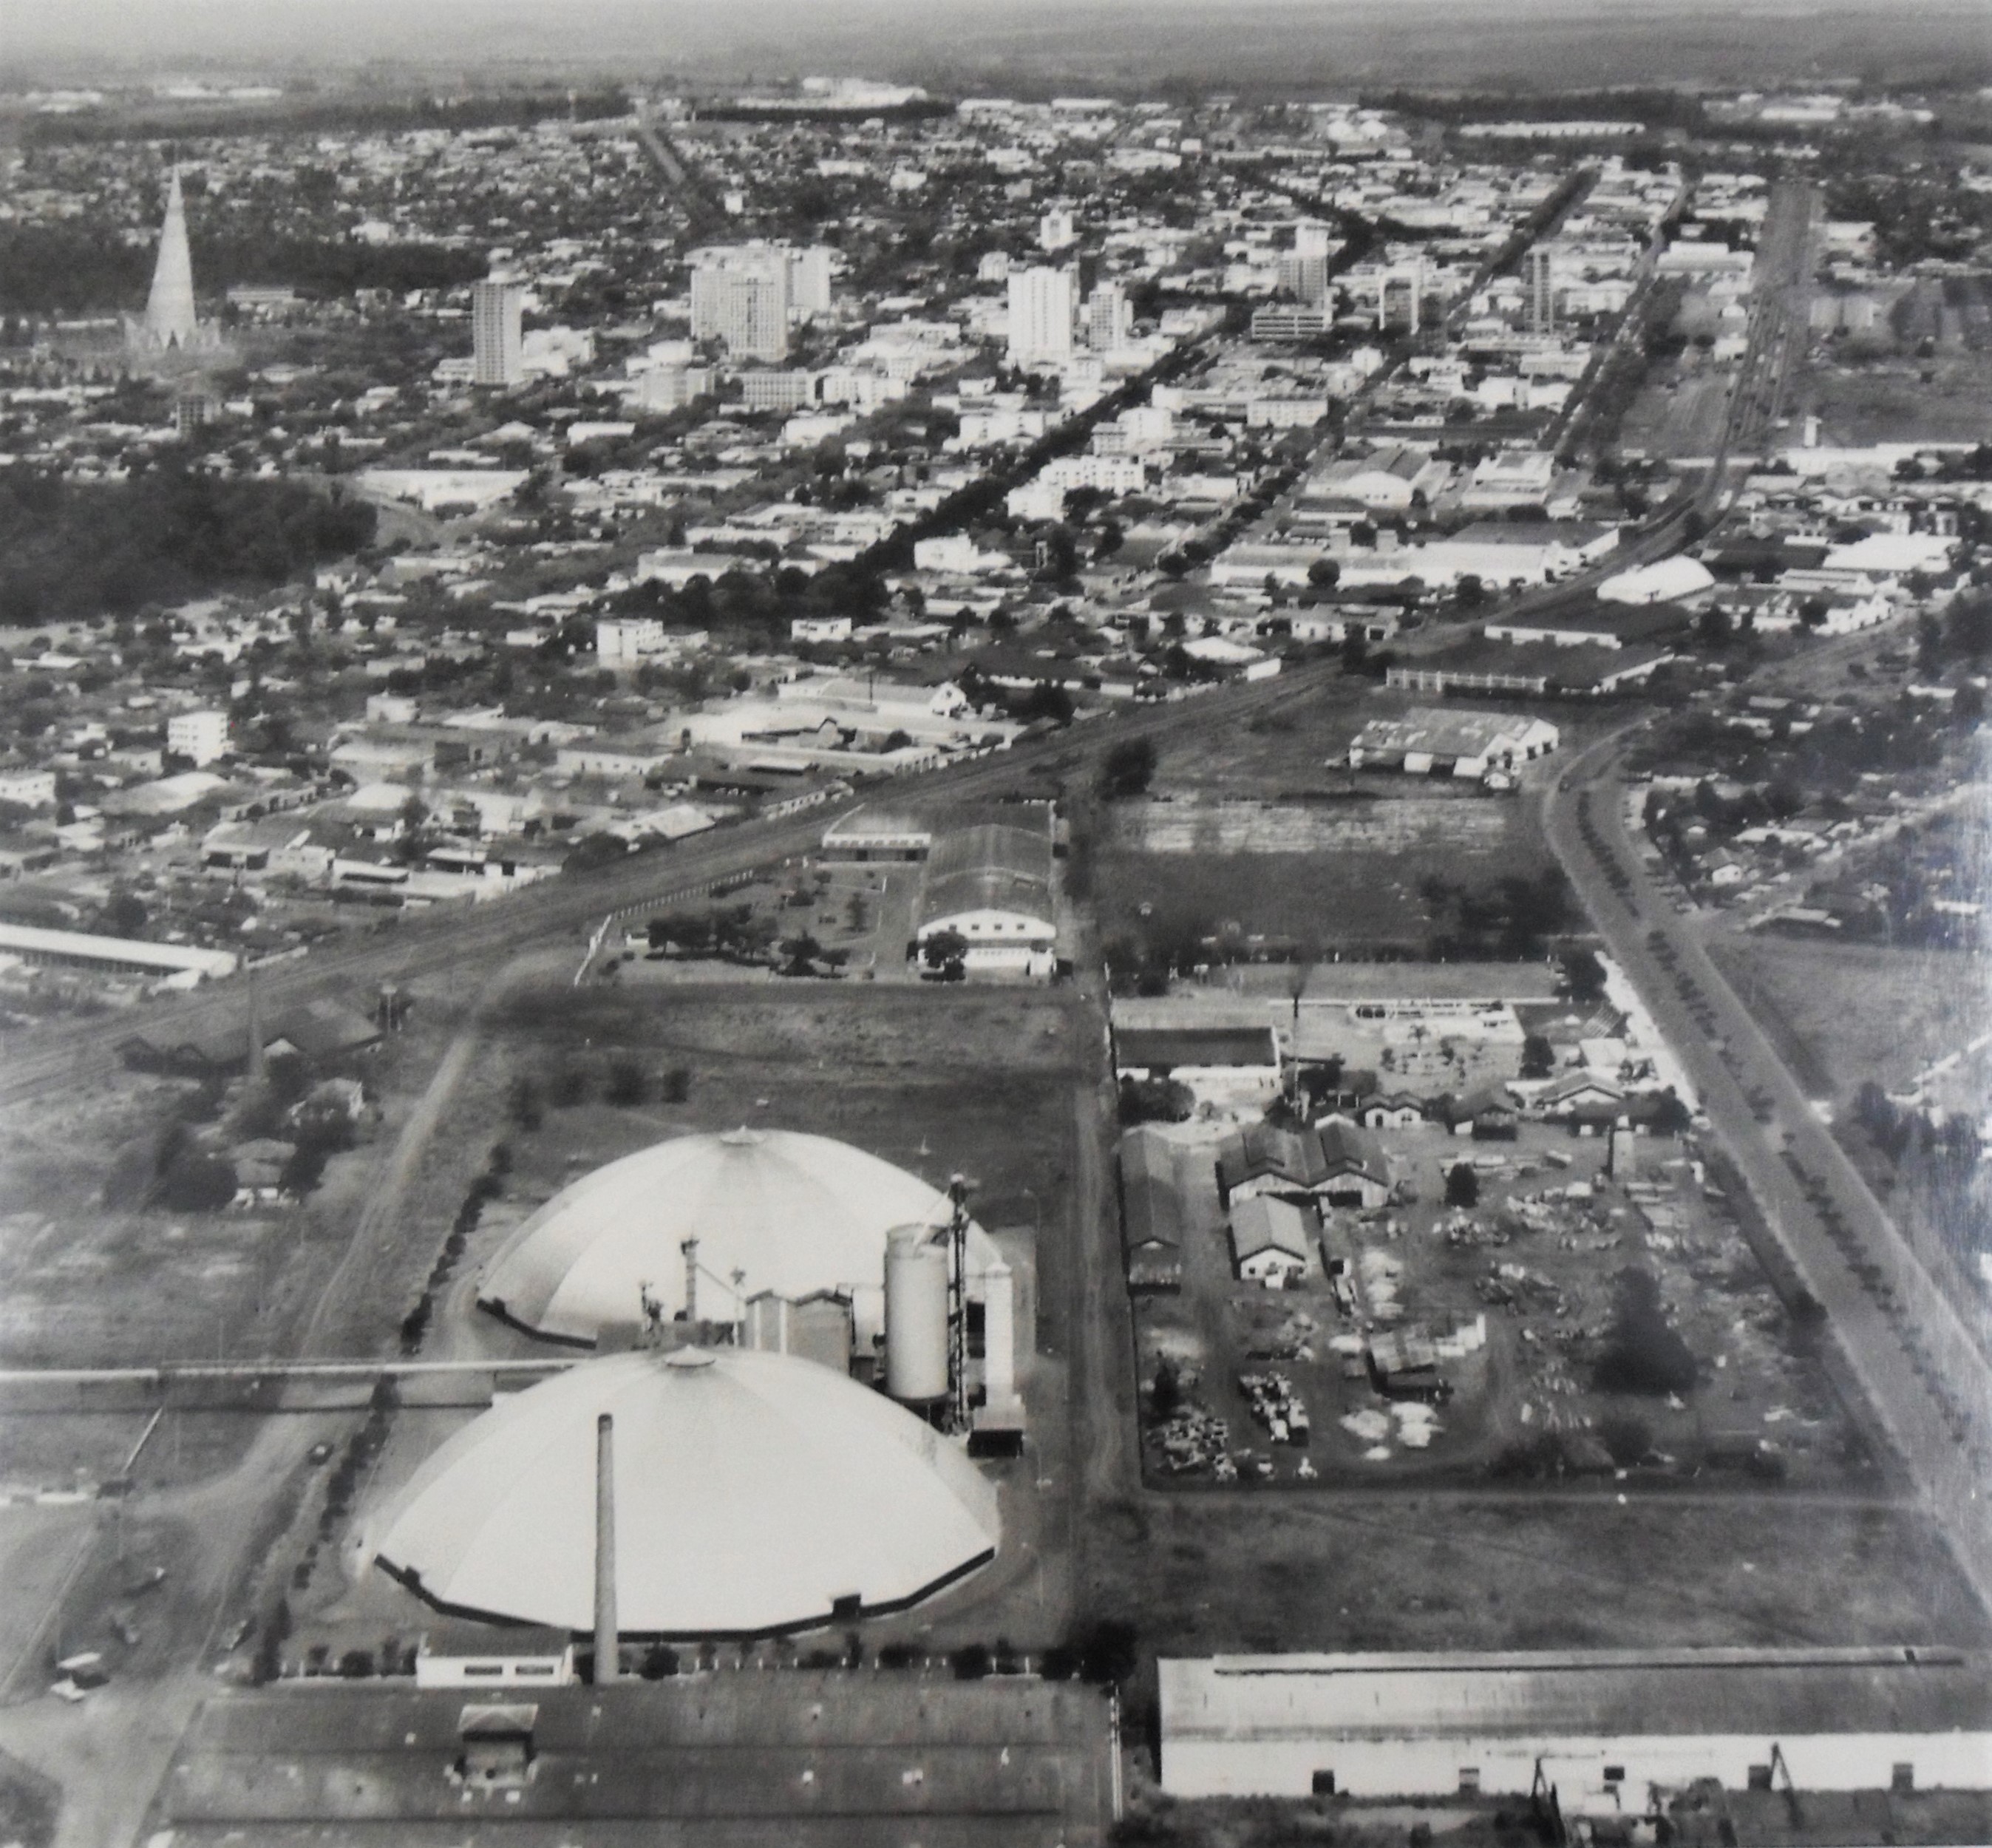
(916, 1344)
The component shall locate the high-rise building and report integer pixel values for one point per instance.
(809, 280)
(1400, 296)
(497, 344)
(1539, 283)
(1041, 314)
(1303, 275)
(1110, 321)
(1055, 230)
(1312, 238)
(740, 297)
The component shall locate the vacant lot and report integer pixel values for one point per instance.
(883, 1068)
(1947, 397)
(1347, 871)
(1842, 1013)
(1257, 1571)
(1534, 1278)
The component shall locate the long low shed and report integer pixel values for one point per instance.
(1603, 1726)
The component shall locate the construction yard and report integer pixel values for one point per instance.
(1570, 1323)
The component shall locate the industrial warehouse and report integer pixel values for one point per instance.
(808, 1338)
(1603, 1732)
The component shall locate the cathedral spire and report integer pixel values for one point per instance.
(169, 311)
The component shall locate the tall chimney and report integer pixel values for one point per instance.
(606, 1665)
(690, 1248)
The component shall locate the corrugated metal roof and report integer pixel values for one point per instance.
(1598, 1692)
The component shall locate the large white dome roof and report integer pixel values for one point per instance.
(753, 1493)
(789, 1212)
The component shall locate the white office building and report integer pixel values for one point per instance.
(498, 347)
(201, 736)
(1041, 316)
(740, 297)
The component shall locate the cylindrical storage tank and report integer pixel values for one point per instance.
(916, 1315)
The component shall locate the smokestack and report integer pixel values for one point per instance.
(606, 1665)
(690, 1248)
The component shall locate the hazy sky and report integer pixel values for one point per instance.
(653, 33)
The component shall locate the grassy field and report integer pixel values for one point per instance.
(1844, 1013)
(1364, 899)
(1196, 1574)
(1682, 414)
(882, 1068)
(1944, 398)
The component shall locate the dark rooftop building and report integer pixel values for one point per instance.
(805, 1758)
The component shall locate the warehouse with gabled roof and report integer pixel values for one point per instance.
(992, 886)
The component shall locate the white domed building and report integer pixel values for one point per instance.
(754, 1494)
(777, 1214)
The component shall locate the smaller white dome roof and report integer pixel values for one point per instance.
(753, 1493)
(781, 1210)
(1659, 582)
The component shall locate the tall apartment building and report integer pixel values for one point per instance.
(1539, 286)
(1041, 316)
(1057, 229)
(809, 280)
(497, 346)
(1110, 321)
(1303, 275)
(1400, 297)
(740, 297)
(1312, 238)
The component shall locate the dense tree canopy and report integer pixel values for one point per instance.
(71, 549)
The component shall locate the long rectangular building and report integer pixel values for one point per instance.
(807, 1758)
(1604, 1728)
(115, 956)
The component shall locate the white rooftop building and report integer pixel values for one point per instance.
(753, 1493)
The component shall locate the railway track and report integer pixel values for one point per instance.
(573, 905)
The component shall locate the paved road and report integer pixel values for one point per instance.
(1778, 326)
(1928, 1381)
